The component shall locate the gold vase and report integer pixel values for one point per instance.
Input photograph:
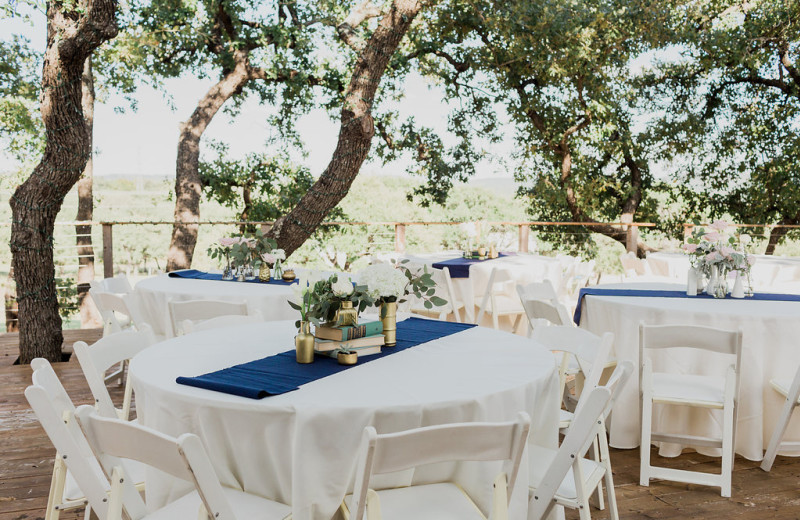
(264, 272)
(304, 343)
(350, 358)
(389, 320)
(345, 315)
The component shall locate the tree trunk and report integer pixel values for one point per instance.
(355, 131)
(10, 300)
(89, 315)
(36, 203)
(188, 185)
(777, 234)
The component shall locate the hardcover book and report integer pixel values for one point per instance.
(370, 328)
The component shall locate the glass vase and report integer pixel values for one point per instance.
(278, 270)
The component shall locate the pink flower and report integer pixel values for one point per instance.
(268, 258)
(249, 242)
(227, 241)
(712, 237)
(719, 225)
(726, 251)
(751, 259)
(689, 248)
(713, 256)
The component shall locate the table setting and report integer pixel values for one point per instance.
(770, 323)
(285, 425)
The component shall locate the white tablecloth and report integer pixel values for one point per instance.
(300, 447)
(151, 297)
(770, 349)
(522, 268)
(769, 272)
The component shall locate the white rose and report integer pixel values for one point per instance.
(279, 254)
(745, 239)
(342, 287)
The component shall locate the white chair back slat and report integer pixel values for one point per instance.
(110, 305)
(189, 326)
(198, 310)
(452, 442)
(691, 336)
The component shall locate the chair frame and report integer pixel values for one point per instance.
(724, 342)
(490, 296)
(387, 453)
(189, 326)
(573, 448)
(789, 404)
(453, 305)
(96, 359)
(55, 411)
(184, 458)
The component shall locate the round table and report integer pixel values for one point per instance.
(152, 295)
(768, 272)
(300, 447)
(770, 331)
(521, 268)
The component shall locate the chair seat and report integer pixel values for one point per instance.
(540, 459)
(705, 391)
(245, 506)
(442, 501)
(565, 418)
(73, 492)
(782, 386)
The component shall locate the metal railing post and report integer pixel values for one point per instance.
(108, 251)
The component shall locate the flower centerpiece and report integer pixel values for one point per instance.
(242, 254)
(389, 284)
(222, 249)
(717, 251)
(334, 301)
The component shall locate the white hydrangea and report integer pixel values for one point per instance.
(279, 254)
(383, 281)
(342, 287)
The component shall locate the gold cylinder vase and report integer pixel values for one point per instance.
(304, 343)
(389, 320)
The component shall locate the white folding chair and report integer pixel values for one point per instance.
(95, 360)
(541, 305)
(689, 389)
(113, 310)
(114, 440)
(189, 326)
(444, 284)
(790, 390)
(198, 310)
(500, 300)
(392, 452)
(553, 474)
(76, 473)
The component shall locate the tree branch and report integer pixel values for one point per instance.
(347, 29)
(459, 66)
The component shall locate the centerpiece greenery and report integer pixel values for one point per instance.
(320, 300)
(716, 251)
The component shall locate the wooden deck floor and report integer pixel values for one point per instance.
(26, 462)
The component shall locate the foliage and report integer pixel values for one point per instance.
(21, 128)
(321, 302)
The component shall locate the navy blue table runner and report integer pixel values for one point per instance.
(459, 267)
(281, 373)
(651, 293)
(194, 274)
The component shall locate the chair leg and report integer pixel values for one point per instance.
(56, 495)
(597, 456)
(777, 435)
(516, 324)
(613, 513)
(727, 449)
(644, 448)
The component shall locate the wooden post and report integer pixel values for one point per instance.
(687, 230)
(108, 251)
(524, 232)
(632, 239)
(400, 238)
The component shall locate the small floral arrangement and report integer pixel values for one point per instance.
(719, 246)
(388, 283)
(319, 300)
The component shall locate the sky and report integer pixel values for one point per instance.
(144, 142)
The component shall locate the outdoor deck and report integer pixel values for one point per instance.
(27, 461)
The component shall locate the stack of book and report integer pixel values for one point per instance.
(365, 339)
